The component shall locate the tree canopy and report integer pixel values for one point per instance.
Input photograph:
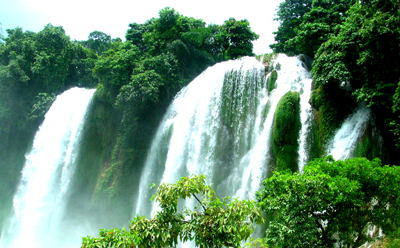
(332, 202)
(238, 38)
(306, 24)
(98, 41)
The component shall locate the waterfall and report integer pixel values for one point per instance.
(220, 126)
(39, 202)
(346, 137)
(305, 118)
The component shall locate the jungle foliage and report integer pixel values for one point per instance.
(356, 55)
(332, 202)
(306, 24)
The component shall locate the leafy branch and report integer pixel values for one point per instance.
(221, 223)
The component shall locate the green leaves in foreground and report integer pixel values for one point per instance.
(213, 222)
(331, 202)
(112, 238)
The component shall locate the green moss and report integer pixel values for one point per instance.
(271, 82)
(229, 99)
(285, 132)
(239, 103)
(315, 147)
(329, 111)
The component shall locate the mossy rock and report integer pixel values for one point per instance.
(286, 131)
(271, 83)
(316, 149)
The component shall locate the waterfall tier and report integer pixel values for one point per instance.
(39, 202)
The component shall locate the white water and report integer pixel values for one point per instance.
(305, 118)
(194, 137)
(39, 202)
(346, 137)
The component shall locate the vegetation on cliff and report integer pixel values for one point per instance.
(355, 49)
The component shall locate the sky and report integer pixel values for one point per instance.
(81, 17)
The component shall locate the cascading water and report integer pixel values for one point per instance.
(39, 202)
(305, 118)
(220, 126)
(346, 137)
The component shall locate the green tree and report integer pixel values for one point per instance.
(98, 41)
(214, 222)
(115, 66)
(31, 64)
(136, 32)
(80, 66)
(332, 202)
(290, 15)
(52, 57)
(239, 37)
(319, 24)
(305, 25)
(164, 30)
(215, 42)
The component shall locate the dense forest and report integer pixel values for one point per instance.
(352, 49)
